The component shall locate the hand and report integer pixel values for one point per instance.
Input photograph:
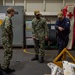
(46, 37)
(60, 28)
(34, 37)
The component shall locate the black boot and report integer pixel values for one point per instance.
(8, 70)
(41, 59)
(1, 71)
(35, 58)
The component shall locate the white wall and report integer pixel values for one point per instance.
(31, 5)
(34, 5)
(54, 5)
(9, 2)
(19, 2)
(70, 2)
(16, 2)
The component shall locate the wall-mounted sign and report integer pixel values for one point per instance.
(2, 16)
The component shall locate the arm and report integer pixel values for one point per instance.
(67, 24)
(33, 29)
(8, 26)
(58, 26)
(46, 28)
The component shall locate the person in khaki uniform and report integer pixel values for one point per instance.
(40, 34)
(7, 38)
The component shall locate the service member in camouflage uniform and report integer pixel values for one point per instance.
(40, 34)
(7, 38)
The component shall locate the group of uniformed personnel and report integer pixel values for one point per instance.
(40, 33)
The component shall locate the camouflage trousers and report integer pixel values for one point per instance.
(39, 47)
(7, 45)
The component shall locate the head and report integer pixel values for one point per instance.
(11, 11)
(37, 14)
(60, 16)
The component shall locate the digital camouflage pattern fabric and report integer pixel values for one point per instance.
(39, 30)
(7, 38)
